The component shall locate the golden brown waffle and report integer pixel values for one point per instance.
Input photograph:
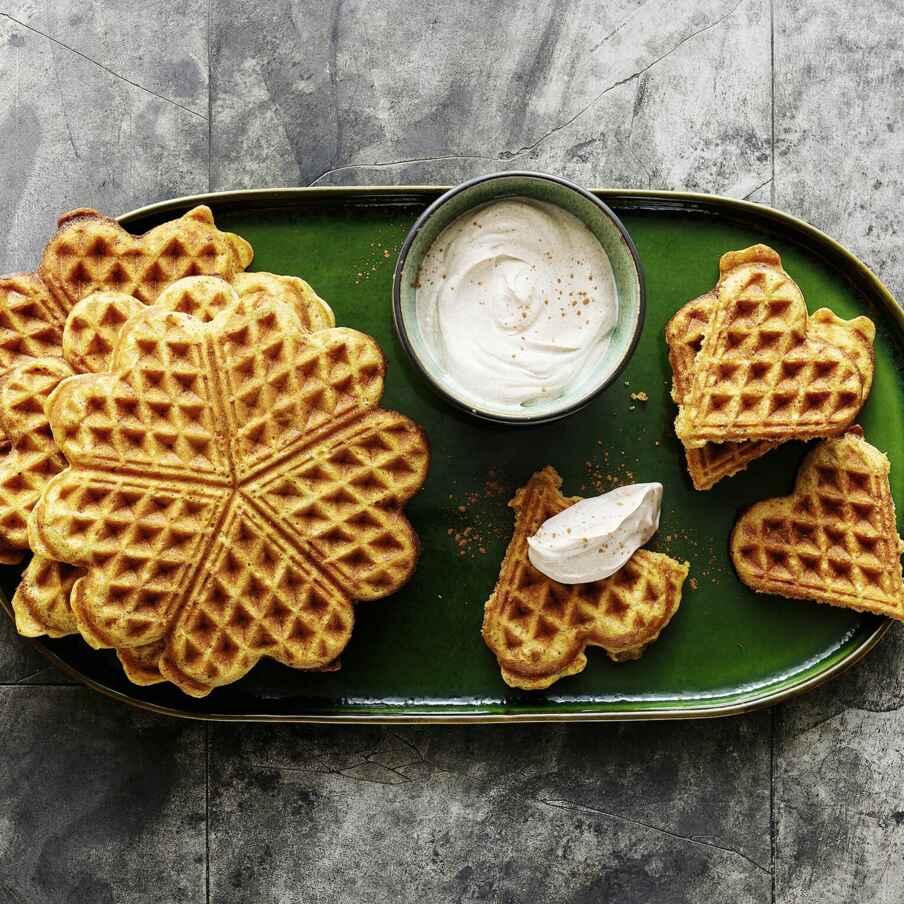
(313, 311)
(538, 629)
(142, 664)
(684, 336)
(232, 489)
(31, 326)
(834, 540)
(91, 252)
(41, 601)
(92, 329)
(41, 607)
(762, 372)
(33, 457)
(31, 322)
(93, 325)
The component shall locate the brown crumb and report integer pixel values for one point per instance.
(640, 396)
(693, 583)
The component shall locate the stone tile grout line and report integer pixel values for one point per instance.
(207, 812)
(772, 93)
(209, 108)
(772, 721)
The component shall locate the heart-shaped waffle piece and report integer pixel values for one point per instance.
(685, 333)
(93, 325)
(31, 326)
(761, 372)
(31, 321)
(232, 489)
(834, 540)
(91, 252)
(538, 628)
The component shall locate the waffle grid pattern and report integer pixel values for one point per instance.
(538, 628)
(759, 375)
(92, 331)
(685, 335)
(30, 321)
(266, 400)
(91, 253)
(834, 540)
(33, 457)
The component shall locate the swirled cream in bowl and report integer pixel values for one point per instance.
(519, 296)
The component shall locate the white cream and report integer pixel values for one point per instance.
(593, 538)
(517, 302)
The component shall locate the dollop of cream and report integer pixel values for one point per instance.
(593, 538)
(517, 302)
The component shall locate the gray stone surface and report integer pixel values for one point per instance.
(92, 115)
(97, 802)
(477, 814)
(839, 795)
(121, 104)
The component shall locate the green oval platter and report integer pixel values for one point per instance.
(418, 656)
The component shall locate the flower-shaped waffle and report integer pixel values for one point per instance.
(233, 488)
(41, 602)
(89, 336)
(539, 629)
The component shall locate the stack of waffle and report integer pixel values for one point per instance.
(751, 369)
(195, 455)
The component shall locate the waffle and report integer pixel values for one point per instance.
(91, 252)
(93, 325)
(834, 540)
(762, 372)
(41, 603)
(31, 326)
(31, 322)
(33, 457)
(684, 336)
(142, 664)
(538, 629)
(232, 489)
(313, 311)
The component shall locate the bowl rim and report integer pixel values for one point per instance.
(401, 328)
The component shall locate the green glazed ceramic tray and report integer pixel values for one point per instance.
(418, 656)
